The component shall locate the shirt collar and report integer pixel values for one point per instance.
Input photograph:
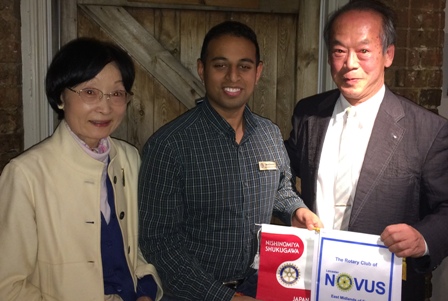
(100, 153)
(365, 111)
(222, 125)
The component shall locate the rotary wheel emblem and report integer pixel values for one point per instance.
(344, 282)
(288, 274)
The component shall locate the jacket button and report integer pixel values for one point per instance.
(115, 179)
(121, 215)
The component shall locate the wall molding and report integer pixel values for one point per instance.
(36, 32)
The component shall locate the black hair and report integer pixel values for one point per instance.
(232, 28)
(81, 60)
(388, 35)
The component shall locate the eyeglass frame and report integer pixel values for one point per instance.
(102, 94)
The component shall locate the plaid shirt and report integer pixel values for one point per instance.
(201, 196)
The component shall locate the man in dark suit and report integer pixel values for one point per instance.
(399, 151)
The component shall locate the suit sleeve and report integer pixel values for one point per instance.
(292, 143)
(434, 193)
(287, 200)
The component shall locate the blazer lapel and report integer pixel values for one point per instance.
(317, 128)
(385, 137)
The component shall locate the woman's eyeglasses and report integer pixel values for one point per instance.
(92, 96)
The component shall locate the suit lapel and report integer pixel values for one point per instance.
(385, 138)
(317, 128)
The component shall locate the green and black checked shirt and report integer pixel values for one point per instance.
(201, 196)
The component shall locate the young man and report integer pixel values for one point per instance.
(212, 176)
(398, 151)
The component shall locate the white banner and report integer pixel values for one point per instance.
(354, 267)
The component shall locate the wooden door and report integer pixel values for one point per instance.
(164, 39)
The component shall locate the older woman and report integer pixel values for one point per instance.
(68, 205)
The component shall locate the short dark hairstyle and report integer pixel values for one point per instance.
(388, 16)
(81, 60)
(232, 28)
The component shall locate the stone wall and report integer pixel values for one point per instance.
(417, 68)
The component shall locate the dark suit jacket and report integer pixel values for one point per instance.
(404, 176)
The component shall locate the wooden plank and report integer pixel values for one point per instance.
(264, 6)
(307, 56)
(145, 17)
(286, 73)
(193, 30)
(140, 116)
(68, 17)
(141, 110)
(216, 17)
(167, 32)
(234, 3)
(222, 3)
(265, 94)
(147, 51)
(166, 107)
(187, 2)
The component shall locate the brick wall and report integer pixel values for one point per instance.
(11, 124)
(416, 72)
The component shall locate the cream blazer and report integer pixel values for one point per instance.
(50, 220)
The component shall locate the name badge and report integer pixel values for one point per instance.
(267, 165)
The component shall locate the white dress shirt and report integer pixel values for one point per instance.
(366, 114)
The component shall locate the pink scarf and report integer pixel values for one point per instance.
(100, 153)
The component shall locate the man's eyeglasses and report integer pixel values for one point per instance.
(92, 96)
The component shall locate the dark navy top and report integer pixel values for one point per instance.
(117, 277)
